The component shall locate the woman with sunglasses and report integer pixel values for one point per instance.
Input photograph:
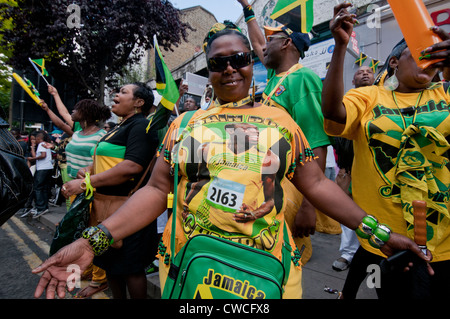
(267, 152)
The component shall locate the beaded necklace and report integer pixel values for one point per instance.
(239, 103)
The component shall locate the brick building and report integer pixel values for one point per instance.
(201, 21)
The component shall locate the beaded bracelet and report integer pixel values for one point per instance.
(99, 239)
(377, 234)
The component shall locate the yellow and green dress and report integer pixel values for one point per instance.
(221, 172)
(127, 141)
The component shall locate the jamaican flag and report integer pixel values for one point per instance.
(361, 59)
(167, 88)
(374, 65)
(297, 15)
(41, 64)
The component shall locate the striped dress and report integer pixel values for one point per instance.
(78, 151)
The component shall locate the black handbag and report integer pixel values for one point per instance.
(16, 180)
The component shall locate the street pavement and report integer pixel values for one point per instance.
(317, 273)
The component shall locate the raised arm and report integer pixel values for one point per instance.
(56, 120)
(341, 27)
(255, 34)
(62, 109)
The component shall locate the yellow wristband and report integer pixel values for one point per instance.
(87, 184)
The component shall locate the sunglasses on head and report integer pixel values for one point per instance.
(275, 36)
(237, 61)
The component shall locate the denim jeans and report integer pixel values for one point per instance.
(42, 179)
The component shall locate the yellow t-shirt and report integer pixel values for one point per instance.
(375, 124)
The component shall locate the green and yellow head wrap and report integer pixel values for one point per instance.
(219, 27)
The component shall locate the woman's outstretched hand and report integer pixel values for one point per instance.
(63, 269)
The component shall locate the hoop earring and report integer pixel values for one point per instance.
(253, 91)
(391, 84)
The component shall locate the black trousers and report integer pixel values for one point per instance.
(397, 284)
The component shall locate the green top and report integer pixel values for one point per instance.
(300, 94)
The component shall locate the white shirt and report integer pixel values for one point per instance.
(45, 163)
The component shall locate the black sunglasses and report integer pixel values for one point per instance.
(237, 61)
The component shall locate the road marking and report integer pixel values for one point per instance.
(41, 244)
(30, 257)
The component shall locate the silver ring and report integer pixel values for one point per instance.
(64, 188)
(337, 17)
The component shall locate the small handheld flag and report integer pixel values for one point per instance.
(167, 88)
(41, 64)
(297, 15)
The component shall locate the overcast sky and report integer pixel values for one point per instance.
(222, 9)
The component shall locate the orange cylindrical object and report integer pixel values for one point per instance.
(420, 222)
(415, 22)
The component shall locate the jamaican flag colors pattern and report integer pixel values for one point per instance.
(28, 87)
(297, 15)
(41, 64)
(234, 167)
(166, 87)
(402, 155)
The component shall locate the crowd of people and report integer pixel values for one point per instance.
(389, 136)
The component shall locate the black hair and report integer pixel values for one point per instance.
(396, 52)
(92, 111)
(45, 136)
(142, 91)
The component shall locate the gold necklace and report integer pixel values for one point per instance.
(109, 134)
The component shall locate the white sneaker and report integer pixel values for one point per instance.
(40, 213)
(28, 212)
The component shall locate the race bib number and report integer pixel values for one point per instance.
(225, 195)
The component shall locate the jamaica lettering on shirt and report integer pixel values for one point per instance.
(377, 127)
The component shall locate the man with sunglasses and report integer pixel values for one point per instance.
(297, 90)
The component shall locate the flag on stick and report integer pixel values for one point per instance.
(167, 88)
(297, 15)
(41, 64)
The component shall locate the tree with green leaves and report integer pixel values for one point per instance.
(88, 43)
(5, 69)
